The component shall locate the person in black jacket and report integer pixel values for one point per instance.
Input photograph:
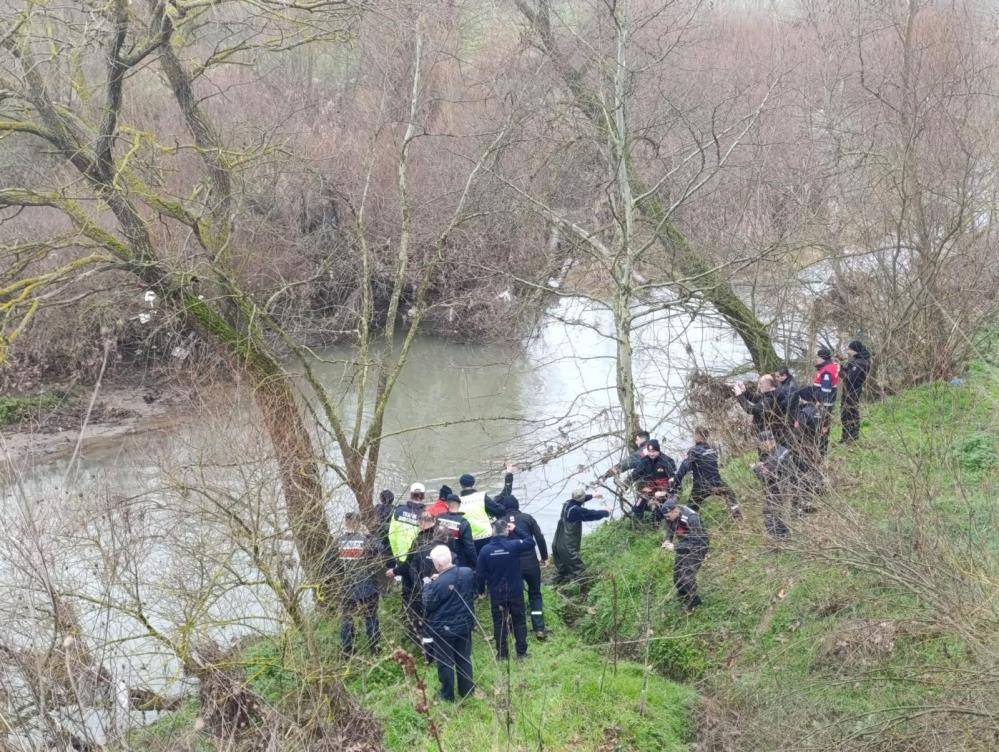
(853, 374)
(351, 572)
(652, 478)
(569, 535)
(530, 570)
(686, 536)
(449, 603)
(702, 464)
(778, 472)
(455, 530)
(383, 514)
(414, 569)
(499, 569)
(768, 407)
(639, 440)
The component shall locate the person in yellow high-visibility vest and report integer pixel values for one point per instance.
(405, 522)
(480, 509)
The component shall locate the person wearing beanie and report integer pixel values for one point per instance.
(826, 386)
(569, 565)
(498, 569)
(652, 478)
(778, 473)
(480, 508)
(854, 374)
(439, 507)
(383, 518)
(530, 570)
(685, 535)
(456, 532)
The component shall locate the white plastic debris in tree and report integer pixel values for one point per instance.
(145, 318)
(150, 298)
(505, 295)
(553, 283)
(180, 352)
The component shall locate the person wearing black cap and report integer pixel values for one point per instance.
(854, 374)
(350, 575)
(498, 568)
(787, 398)
(652, 478)
(777, 472)
(687, 537)
(530, 570)
(569, 536)
(702, 464)
(456, 531)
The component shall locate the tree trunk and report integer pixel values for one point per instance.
(300, 479)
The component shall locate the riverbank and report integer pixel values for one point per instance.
(46, 425)
(874, 628)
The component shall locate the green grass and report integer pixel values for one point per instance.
(792, 649)
(16, 409)
(788, 641)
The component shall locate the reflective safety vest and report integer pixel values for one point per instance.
(403, 529)
(473, 506)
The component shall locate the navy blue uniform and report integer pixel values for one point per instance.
(691, 544)
(449, 604)
(779, 475)
(351, 572)
(414, 568)
(702, 464)
(498, 570)
(530, 570)
(455, 530)
(853, 374)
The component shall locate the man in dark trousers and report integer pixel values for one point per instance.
(413, 569)
(853, 374)
(686, 536)
(702, 464)
(455, 530)
(811, 433)
(778, 473)
(652, 477)
(498, 570)
(530, 570)
(569, 565)
(449, 604)
(351, 575)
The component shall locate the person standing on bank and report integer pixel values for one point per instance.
(686, 536)
(702, 464)
(499, 570)
(479, 508)
(414, 570)
(351, 572)
(853, 374)
(569, 565)
(457, 532)
(530, 570)
(449, 605)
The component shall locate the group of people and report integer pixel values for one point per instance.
(447, 551)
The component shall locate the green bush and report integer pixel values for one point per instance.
(679, 658)
(977, 453)
(16, 409)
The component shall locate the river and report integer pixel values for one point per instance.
(456, 408)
